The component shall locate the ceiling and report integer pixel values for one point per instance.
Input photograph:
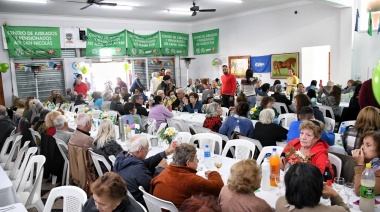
(148, 9)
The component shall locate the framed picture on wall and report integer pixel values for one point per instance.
(238, 65)
(281, 63)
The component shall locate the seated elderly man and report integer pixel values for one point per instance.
(60, 123)
(279, 97)
(135, 169)
(161, 93)
(56, 98)
(180, 181)
(81, 136)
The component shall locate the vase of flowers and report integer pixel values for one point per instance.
(168, 134)
(296, 156)
(251, 112)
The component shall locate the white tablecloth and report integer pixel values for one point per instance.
(8, 194)
(195, 119)
(18, 207)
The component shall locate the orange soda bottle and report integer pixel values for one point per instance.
(274, 162)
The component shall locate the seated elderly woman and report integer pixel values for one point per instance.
(264, 128)
(183, 171)
(304, 188)
(213, 113)
(130, 111)
(48, 126)
(194, 104)
(266, 102)
(310, 145)
(105, 142)
(106, 104)
(159, 112)
(238, 123)
(369, 152)
(109, 193)
(238, 194)
(367, 120)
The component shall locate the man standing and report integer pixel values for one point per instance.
(121, 83)
(136, 169)
(81, 136)
(228, 87)
(138, 100)
(6, 125)
(60, 123)
(80, 87)
(165, 85)
(136, 84)
(154, 82)
(56, 98)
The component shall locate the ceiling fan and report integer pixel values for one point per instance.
(91, 2)
(196, 9)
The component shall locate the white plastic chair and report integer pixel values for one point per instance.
(324, 109)
(225, 111)
(63, 148)
(177, 124)
(203, 137)
(279, 105)
(254, 141)
(113, 114)
(200, 129)
(35, 134)
(337, 162)
(96, 158)
(243, 149)
(156, 204)
(286, 119)
(162, 126)
(12, 154)
(79, 107)
(73, 198)
(186, 136)
(112, 159)
(347, 123)
(4, 157)
(329, 122)
(29, 190)
(96, 114)
(268, 149)
(18, 168)
(14, 131)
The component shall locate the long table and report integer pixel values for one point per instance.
(8, 195)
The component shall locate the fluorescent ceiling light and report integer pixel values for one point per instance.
(179, 12)
(32, 1)
(118, 7)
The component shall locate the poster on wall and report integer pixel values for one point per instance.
(281, 63)
(33, 42)
(206, 42)
(69, 37)
(173, 43)
(143, 45)
(238, 65)
(99, 44)
(261, 64)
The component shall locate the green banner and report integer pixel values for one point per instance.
(29, 42)
(174, 43)
(206, 42)
(99, 44)
(143, 45)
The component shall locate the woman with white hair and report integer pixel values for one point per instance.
(268, 132)
(106, 104)
(213, 113)
(105, 142)
(35, 107)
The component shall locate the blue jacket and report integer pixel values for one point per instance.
(98, 103)
(245, 125)
(294, 132)
(137, 172)
(197, 105)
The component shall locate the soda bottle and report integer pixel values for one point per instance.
(207, 157)
(127, 131)
(327, 176)
(275, 163)
(367, 190)
(265, 172)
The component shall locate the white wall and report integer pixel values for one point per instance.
(315, 64)
(282, 31)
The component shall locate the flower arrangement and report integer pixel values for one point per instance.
(168, 134)
(296, 156)
(252, 112)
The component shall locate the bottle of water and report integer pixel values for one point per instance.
(265, 171)
(342, 128)
(367, 190)
(275, 120)
(207, 157)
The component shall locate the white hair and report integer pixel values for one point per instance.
(168, 70)
(266, 116)
(178, 90)
(83, 119)
(59, 122)
(106, 133)
(159, 92)
(154, 74)
(137, 141)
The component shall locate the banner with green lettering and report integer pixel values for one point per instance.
(99, 44)
(174, 43)
(33, 42)
(206, 42)
(143, 45)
